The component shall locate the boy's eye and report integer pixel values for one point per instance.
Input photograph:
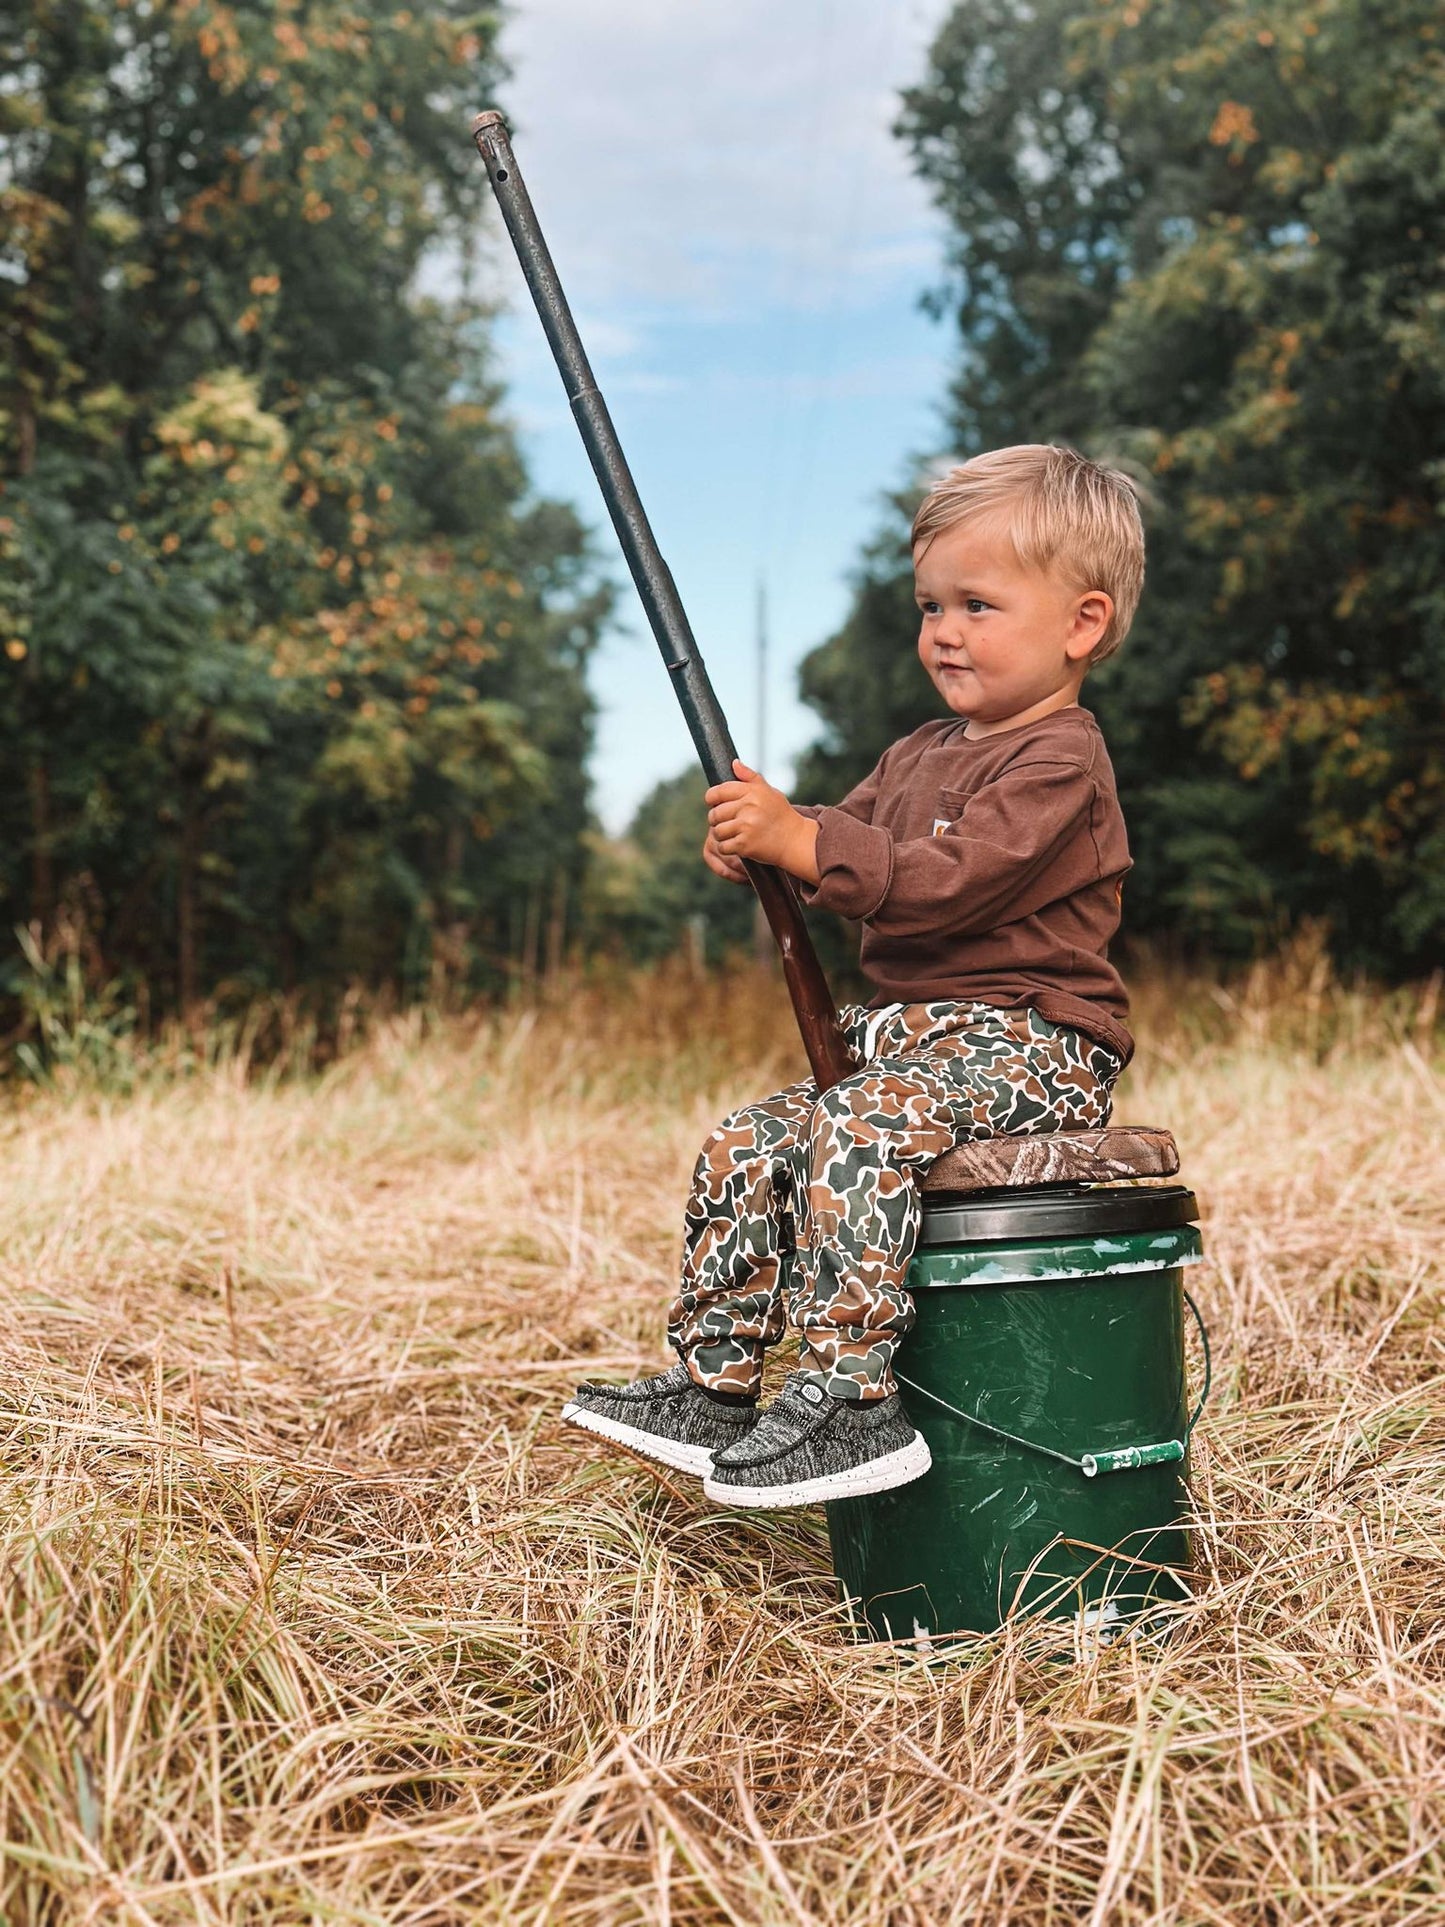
(975, 605)
(929, 608)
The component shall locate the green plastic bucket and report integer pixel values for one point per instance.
(1056, 1317)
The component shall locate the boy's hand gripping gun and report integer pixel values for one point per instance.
(828, 1050)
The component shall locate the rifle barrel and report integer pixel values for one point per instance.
(828, 1050)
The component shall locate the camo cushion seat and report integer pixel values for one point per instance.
(1062, 1157)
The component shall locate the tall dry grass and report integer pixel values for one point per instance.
(312, 1615)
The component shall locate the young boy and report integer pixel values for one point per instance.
(984, 858)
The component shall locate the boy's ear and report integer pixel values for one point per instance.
(1093, 613)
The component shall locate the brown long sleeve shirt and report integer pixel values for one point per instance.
(987, 870)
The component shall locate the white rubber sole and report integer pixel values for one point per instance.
(909, 1462)
(674, 1452)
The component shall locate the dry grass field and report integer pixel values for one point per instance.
(312, 1615)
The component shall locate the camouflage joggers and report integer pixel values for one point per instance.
(822, 1193)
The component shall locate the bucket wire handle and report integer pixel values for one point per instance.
(1125, 1458)
(1208, 1360)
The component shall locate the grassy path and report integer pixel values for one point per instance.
(310, 1615)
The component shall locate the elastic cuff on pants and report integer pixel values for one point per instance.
(726, 1369)
(861, 1381)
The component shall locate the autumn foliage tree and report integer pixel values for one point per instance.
(1207, 238)
(292, 686)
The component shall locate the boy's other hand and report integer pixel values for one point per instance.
(729, 867)
(749, 818)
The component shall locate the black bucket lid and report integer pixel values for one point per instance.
(1009, 1215)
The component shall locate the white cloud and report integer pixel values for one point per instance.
(703, 155)
(608, 338)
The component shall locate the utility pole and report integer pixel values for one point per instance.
(762, 937)
(762, 636)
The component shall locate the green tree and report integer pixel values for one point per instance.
(1206, 240)
(293, 686)
(662, 894)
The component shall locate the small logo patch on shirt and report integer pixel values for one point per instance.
(941, 824)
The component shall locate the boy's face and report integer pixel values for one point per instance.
(1002, 643)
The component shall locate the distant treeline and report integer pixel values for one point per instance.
(292, 667)
(293, 664)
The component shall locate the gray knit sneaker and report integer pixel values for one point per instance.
(807, 1448)
(666, 1418)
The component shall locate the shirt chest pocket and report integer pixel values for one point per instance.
(947, 809)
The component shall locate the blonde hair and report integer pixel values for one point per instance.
(1062, 511)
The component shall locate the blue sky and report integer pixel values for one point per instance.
(744, 248)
